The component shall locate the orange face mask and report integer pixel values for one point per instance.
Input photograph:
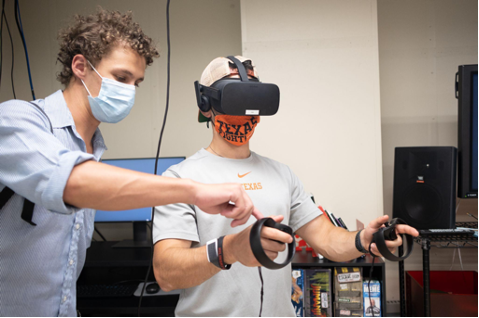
(236, 130)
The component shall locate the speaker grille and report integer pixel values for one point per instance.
(424, 186)
(422, 205)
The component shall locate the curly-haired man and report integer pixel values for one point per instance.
(50, 177)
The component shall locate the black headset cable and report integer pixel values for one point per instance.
(18, 20)
(159, 147)
(99, 233)
(13, 52)
(370, 277)
(1, 40)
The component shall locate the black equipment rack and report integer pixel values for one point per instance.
(439, 240)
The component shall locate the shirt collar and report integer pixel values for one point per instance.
(99, 146)
(61, 117)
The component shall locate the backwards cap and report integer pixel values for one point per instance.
(218, 69)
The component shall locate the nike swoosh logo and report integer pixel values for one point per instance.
(243, 175)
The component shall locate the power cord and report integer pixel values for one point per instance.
(262, 290)
(1, 40)
(472, 216)
(18, 20)
(159, 145)
(11, 43)
(369, 281)
(96, 230)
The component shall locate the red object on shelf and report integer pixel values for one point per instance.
(325, 214)
(300, 243)
(453, 293)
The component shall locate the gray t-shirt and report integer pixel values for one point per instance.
(274, 190)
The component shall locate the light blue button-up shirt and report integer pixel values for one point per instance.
(39, 265)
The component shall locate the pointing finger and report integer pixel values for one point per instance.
(257, 214)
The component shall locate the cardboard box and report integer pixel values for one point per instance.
(318, 294)
(348, 287)
(372, 298)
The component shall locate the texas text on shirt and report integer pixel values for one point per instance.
(36, 164)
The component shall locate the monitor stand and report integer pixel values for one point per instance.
(139, 238)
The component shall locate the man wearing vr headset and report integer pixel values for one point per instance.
(50, 177)
(224, 282)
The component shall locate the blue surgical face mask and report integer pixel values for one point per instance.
(114, 101)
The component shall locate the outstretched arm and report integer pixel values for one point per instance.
(100, 186)
(338, 245)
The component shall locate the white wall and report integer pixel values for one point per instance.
(323, 55)
(200, 31)
(421, 44)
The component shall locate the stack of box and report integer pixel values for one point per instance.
(348, 282)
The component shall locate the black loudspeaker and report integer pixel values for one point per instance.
(425, 187)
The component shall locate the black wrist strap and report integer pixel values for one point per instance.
(214, 251)
(359, 246)
(221, 260)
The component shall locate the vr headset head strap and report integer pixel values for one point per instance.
(211, 92)
(240, 67)
(201, 95)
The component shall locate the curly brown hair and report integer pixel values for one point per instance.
(95, 35)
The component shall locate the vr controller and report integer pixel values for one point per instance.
(257, 248)
(388, 233)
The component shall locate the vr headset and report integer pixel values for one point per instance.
(238, 96)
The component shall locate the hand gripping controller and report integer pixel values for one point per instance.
(388, 233)
(257, 248)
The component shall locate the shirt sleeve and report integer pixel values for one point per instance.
(34, 163)
(303, 209)
(175, 221)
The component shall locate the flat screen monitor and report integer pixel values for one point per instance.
(466, 93)
(146, 165)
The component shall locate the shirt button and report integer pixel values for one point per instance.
(64, 299)
(77, 226)
(71, 262)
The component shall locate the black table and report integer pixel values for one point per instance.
(107, 265)
(439, 241)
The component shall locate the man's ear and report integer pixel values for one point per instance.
(207, 114)
(79, 66)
